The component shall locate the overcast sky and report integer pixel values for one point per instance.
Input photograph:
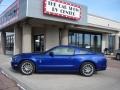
(106, 8)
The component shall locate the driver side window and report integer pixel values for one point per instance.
(63, 51)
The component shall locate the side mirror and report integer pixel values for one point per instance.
(51, 54)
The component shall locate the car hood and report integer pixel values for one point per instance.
(29, 54)
(23, 55)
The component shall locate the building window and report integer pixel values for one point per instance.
(92, 41)
(87, 40)
(111, 42)
(9, 42)
(39, 43)
(60, 36)
(9, 15)
(119, 42)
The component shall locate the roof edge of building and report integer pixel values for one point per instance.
(104, 18)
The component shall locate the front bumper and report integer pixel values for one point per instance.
(14, 65)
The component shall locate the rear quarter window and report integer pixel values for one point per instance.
(82, 52)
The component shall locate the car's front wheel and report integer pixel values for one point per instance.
(87, 69)
(118, 56)
(27, 67)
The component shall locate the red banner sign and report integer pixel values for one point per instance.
(62, 9)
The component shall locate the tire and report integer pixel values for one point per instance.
(87, 69)
(118, 56)
(27, 67)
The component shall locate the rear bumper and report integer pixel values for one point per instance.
(101, 68)
(102, 65)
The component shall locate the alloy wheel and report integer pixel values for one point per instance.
(118, 56)
(87, 69)
(27, 68)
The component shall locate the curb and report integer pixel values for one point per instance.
(20, 84)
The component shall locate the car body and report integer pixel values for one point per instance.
(117, 54)
(60, 59)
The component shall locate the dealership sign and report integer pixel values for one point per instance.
(62, 9)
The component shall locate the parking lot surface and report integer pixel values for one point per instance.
(103, 80)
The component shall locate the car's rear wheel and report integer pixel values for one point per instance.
(87, 69)
(118, 56)
(27, 67)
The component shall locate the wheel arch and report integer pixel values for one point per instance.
(89, 62)
(30, 60)
(117, 54)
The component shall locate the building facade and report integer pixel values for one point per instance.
(36, 26)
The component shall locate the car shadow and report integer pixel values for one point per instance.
(58, 73)
(50, 73)
(14, 71)
(47, 72)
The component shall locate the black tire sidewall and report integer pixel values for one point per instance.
(118, 56)
(31, 64)
(81, 69)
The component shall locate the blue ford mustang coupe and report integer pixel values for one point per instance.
(60, 58)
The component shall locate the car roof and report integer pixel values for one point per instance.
(71, 46)
(75, 47)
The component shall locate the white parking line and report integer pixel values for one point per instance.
(4, 73)
(21, 87)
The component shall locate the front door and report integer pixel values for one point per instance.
(62, 60)
(39, 43)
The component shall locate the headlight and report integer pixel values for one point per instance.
(14, 57)
(10, 58)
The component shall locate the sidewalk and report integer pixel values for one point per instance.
(5, 66)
